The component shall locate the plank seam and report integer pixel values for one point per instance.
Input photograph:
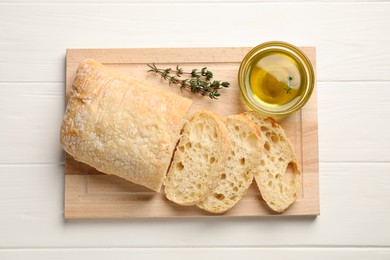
(351, 247)
(195, 2)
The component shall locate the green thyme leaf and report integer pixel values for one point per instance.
(197, 82)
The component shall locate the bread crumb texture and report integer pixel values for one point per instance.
(277, 175)
(121, 126)
(237, 175)
(200, 155)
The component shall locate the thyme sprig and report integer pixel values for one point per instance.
(196, 81)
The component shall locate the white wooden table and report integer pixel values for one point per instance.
(353, 58)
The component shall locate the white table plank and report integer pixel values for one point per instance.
(354, 212)
(353, 51)
(199, 253)
(172, 1)
(352, 39)
(350, 127)
(353, 121)
(30, 119)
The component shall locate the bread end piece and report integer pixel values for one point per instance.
(121, 126)
(277, 175)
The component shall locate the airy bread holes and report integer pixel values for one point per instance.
(242, 161)
(266, 146)
(188, 145)
(275, 139)
(262, 163)
(180, 166)
(280, 188)
(264, 128)
(223, 176)
(291, 170)
(236, 128)
(252, 140)
(219, 196)
(212, 159)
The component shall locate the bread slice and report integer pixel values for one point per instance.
(198, 159)
(121, 126)
(237, 175)
(278, 189)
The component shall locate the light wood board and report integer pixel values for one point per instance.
(91, 194)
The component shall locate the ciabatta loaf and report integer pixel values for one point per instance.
(121, 126)
(198, 159)
(237, 175)
(278, 189)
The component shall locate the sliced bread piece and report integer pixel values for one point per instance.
(198, 159)
(237, 175)
(278, 188)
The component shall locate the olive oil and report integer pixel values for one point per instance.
(276, 80)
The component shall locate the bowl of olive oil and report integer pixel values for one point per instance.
(276, 79)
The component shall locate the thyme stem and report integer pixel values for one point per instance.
(198, 82)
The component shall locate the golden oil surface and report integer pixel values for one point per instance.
(276, 80)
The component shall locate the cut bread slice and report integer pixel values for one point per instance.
(237, 175)
(198, 159)
(278, 176)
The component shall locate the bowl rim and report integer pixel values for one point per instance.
(297, 53)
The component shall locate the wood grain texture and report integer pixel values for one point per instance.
(88, 195)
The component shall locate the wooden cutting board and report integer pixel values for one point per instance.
(91, 194)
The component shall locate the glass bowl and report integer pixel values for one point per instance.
(276, 79)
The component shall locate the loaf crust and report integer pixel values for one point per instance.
(121, 126)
